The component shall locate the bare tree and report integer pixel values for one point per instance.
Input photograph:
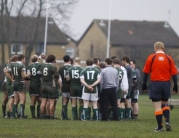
(59, 10)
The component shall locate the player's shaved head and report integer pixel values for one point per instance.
(159, 45)
(77, 59)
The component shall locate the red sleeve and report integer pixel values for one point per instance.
(174, 70)
(147, 66)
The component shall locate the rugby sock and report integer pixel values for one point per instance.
(119, 113)
(74, 113)
(32, 109)
(4, 110)
(17, 112)
(122, 113)
(64, 110)
(22, 107)
(89, 113)
(14, 110)
(8, 113)
(51, 117)
(96, 114)
(85, 113)
(166, 112)
(38, 111)
(128, 113)
(110, 113)
(48, 117)
(158, 115)
(80, 112)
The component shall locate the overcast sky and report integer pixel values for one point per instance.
(151, 10)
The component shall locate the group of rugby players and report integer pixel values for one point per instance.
(73, 81)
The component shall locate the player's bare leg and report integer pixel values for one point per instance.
(47, 109)
(52, 108)
(42, 107)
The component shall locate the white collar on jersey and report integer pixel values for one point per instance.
(89, 67)
(159, 52)
(19, 62)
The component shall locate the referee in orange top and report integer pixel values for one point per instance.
(161, 67)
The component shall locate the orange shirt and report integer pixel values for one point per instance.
(162, 67)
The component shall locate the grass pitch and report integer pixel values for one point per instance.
(36, 128)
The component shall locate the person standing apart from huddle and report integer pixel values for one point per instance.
(161, 68)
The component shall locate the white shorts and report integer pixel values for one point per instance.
(136, 94)
(66, 94)
(90, 96)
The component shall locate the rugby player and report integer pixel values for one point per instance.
(35, 85)
(9, 85)
(135, 89)
(65, 86)
(90, 78)
(5, 95)
(48, 88)
(19, 72)
(73, 74)
(126, 62)
(122, 88)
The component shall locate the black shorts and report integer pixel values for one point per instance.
(19, 86)
(48, 92)
(159, 90)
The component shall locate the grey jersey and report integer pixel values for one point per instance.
(137, 80)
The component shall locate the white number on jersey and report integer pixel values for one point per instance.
(34, 71)
(75, 74)
(120, 75)
(45, 71)
(15, 71)
(90, 75)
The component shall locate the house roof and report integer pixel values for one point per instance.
(27, 27)
(137, 33)
(70, 38)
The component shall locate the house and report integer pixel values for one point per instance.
(71, 47)
(132, 38)
(25, 35)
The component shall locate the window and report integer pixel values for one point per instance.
(39, 49)
(16, 48)
(70, 52)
